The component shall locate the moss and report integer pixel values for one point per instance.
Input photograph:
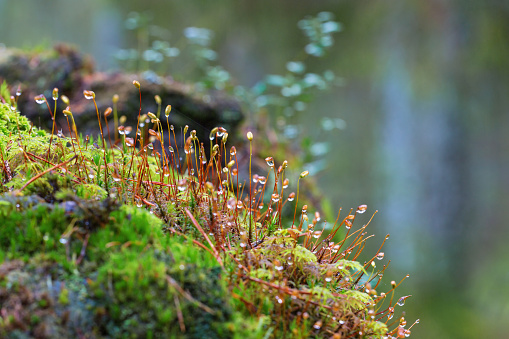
(126, 286)
(118, 270)
(10, 121)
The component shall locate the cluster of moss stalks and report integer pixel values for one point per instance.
(139, 238)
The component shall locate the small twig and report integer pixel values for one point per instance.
(200, 229)
(188, 296)
(196, 242)
(46, 171)
(83, 249)
(180, 316)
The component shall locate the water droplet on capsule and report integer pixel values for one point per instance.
(362, 208)
(348, 224)
(401, 300)
(40, 99)
(89, 95)
(275, 197)
(380, 255)
(291, 196)
(318, 325)
(270, 161)
(286, 182)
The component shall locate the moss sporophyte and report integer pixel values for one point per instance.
(131, 237)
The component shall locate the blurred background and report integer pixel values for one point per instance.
(417, 127)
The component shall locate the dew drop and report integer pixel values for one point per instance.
(40, 99)
(63, 241)
(270, 161)
(286, 182)
(275, 197)
(391, 313)
(318, 325)
(291, 196)
(362, 208)
(262, 180)
(89, 95)
(348, 224)
(91, 176)
(380, 255)
(401, 300)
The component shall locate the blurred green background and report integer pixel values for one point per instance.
(422, 113)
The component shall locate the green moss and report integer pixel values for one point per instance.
(10, 120)
(30, 227)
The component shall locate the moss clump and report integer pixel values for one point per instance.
(12, 122)
(133, 282)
